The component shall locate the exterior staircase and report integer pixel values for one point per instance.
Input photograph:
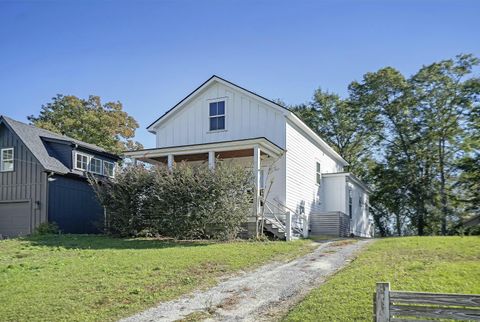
(278, 219)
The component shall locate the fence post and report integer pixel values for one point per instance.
(382, 302)
(288, 226)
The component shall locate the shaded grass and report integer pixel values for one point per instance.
(97, 278)
(429, 264)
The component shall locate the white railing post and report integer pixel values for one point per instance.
(256, 176)
(211, 160)
(288, 226)
(170, 161)
(305, 227)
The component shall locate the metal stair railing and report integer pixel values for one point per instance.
(298, 221)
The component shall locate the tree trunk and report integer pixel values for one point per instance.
(398, 224)
(443, 193)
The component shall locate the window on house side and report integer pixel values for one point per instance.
(96, 166)
(318, 173)
(109, 169)
(350, 203)
(217, 116)
(6, 159)
(81, 161)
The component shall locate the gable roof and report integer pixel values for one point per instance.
(285, 111)
(34, 137)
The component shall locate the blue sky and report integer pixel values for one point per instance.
(150, 54)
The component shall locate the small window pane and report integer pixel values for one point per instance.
(7, 160)
(319, 178)
(221, 123)
(213, 109)
(318, 167)
(81, 162)
(213, 124)
(221, 108)
(96, 166)
(108, 169)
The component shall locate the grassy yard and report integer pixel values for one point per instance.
(430, 264)
(87, 278)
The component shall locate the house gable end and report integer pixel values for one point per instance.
(245, 116)
(234, 87)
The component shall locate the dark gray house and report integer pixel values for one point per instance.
(43, 179)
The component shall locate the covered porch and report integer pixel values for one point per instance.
(254, 154)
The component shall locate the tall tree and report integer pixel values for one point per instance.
(344, 124)
(442, 96)
(106, 125)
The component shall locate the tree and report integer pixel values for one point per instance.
(443, 96)
(344, 124)
(88, 120)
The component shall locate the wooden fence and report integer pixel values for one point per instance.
(411, 306)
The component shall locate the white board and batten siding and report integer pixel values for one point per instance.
(245, 118)
(301, 186)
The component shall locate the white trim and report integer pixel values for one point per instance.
(90, 165)
(318, 172)
(113, 169)
(265, 145)
(217, 100)
(12, 159)
(75, 161)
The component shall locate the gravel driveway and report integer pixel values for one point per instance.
(261, 294)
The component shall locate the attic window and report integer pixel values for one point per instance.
(217, 116)
(109, 169)
(96, 166)
(81, 161)
(6, 159)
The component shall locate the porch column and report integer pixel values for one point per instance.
(170, 160)
(211, 160)
(256, 176)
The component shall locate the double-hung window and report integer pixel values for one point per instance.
(96, 166)
(318, 173)
(81, 161)
(217, 115)
(6, 159)
(109, 169)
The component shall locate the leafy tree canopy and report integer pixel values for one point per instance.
(104, 124)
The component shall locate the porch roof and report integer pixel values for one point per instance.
(266, 146)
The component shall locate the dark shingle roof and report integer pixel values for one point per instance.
(32, 137)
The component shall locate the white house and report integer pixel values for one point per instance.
(310, 192)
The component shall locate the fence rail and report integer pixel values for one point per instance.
(412, 306)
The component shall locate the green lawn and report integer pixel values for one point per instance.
(430, 264)
(86, 278)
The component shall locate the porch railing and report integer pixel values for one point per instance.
(291, 222)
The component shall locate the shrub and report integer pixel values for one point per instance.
(47, 229)
(189, 202)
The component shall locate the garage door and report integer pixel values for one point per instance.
(15, 218)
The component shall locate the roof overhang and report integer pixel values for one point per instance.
(315, 137)
(264, 144)
(349, 176)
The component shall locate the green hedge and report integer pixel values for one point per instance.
(188, 202)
